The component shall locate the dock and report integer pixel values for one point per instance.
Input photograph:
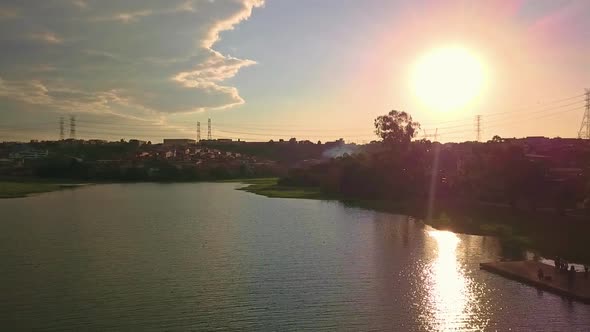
(555, 281)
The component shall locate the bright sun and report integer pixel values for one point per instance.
(448, 78)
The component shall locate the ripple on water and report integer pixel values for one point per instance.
(208, 257)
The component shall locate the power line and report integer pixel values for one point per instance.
(288, 135)
(478, 127)
(512, 122)
(209, 129)
(111, 129)
(62, 133)
(536, 114)
(467, 121)
(559, 106)
(72, 126)
(539, 111)
(244, 126)
(584, 131)
(117, 123)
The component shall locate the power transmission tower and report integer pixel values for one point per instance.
(584, 131)
(198, 131)
(436, 135)
(62, 132)
(478, 127)
(209, 129)
(73, 126)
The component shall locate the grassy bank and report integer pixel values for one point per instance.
(545, 232)
(14, 187)
(269, 187)
(11, 188)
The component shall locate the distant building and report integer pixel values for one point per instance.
(97, 141)
(139, 142)
(179, 141)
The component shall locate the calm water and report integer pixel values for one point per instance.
(208, 257)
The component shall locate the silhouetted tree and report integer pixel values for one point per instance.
(396, 127)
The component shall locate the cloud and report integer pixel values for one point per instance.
(80, 4)
(134, 16)
(229, 23)
(63, 99)
(216, 68)
(8, 13)
(133, 58)
(47, 37)
(125, 17)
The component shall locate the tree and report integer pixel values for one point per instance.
(396, 127)
(497, 139)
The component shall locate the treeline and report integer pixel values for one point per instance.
(288, 152)
(156, 170)
(399, 168)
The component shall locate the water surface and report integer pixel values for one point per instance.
(206, 257)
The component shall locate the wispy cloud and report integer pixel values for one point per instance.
(47, 37)
(8, 13)
(80, 4)
(125, 17)
(135, 16)
(187, 6)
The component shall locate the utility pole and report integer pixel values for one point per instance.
(209, 129)
(478, 127)
(62, 132)
(73, 126)
(198, 131)
(584, 131)
(436, 135)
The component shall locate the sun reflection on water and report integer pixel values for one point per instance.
(451, 299)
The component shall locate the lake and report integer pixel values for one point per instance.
(205, 256)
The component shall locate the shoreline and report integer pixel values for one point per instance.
(20, 189)
(543, 233)
(556, 282)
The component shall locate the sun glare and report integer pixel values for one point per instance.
(448, 79)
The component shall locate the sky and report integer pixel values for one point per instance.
(260, 70)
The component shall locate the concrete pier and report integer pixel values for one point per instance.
(555, 281)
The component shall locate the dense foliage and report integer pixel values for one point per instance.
(397, 167)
